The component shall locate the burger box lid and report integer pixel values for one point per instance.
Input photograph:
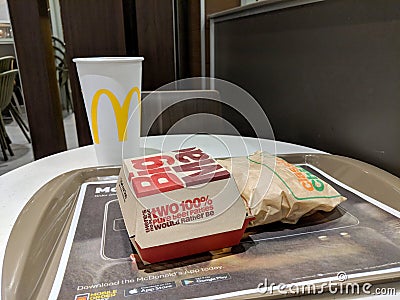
(177, 196)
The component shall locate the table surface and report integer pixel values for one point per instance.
(19, 185)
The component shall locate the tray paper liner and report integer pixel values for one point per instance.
(275, 190)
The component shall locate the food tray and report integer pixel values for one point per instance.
(357, 232)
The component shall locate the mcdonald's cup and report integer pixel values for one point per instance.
(111, 88)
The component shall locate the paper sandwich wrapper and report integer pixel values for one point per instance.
(179, 203)
(275, 190)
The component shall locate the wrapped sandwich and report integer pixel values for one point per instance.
(275, 190)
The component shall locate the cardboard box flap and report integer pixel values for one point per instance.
(165, 172)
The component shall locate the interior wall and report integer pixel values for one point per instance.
(91, 28)
(32, 37)
(326, 74)
(211, 7)
(155, 32)
(188, 38)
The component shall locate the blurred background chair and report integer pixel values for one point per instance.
(62, 73)
(13, 108)
(6, 90)
(6, 63)
(7, 84)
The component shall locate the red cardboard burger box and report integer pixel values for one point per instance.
(179, 203)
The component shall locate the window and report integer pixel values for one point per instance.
(5, 25)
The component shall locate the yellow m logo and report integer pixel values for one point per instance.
(120, 112)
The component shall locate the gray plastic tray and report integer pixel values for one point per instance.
(37, 240)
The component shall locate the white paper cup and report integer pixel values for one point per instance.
(111, 88)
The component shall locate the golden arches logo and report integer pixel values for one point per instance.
(120, 111)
